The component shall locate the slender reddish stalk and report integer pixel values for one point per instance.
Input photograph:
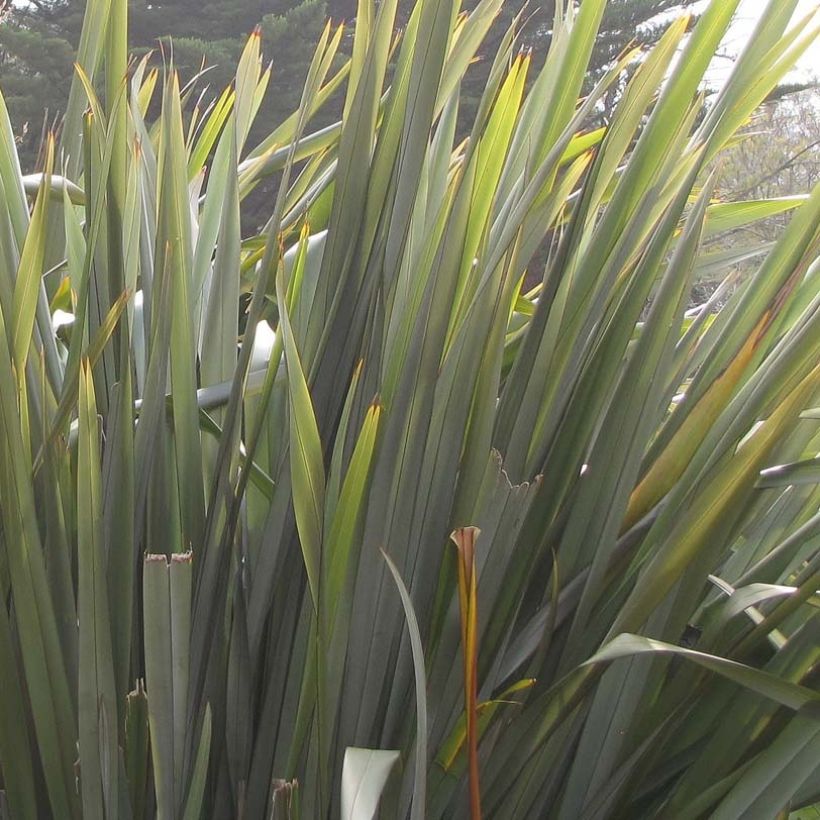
(465, 538)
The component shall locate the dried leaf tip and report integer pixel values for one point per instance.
(464, 538)
(176, 558)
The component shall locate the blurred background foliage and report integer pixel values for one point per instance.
(38, 42)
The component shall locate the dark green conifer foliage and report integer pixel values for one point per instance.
(38, 43)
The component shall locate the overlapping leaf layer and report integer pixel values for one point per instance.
(228, 481)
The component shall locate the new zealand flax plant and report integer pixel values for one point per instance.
(372, 513)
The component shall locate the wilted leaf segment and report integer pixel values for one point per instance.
(231, 464)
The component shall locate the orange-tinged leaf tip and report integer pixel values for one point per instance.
(464, 538)
(462, 532)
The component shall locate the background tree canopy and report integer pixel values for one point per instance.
(38, 40)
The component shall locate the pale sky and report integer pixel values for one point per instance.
(748, 14)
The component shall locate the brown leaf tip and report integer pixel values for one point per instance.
(464, 538)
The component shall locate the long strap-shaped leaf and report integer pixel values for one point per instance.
(174, 258)
(167, 613)
(45, 674)
(28, 283)
(307, 464)
(788, 694)
(97, 700)
(420, 776)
